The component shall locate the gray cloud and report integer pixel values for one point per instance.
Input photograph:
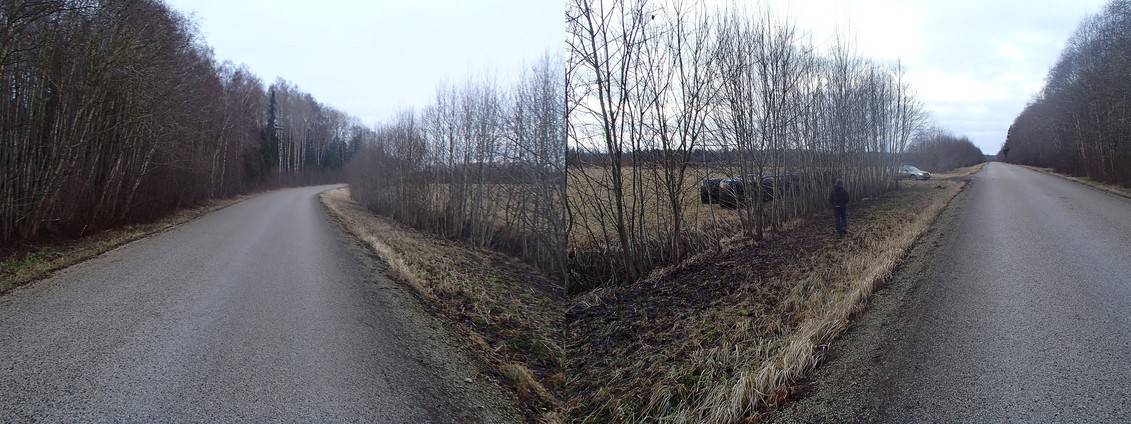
(983, 61)
(370, 58)
(974, 63)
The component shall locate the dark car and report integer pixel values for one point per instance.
(908, 172)
(776, 186)
(737, 191)
(732, 192)
(709, 191)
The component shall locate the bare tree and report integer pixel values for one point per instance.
(115, 113)
(1079, 122)
(652, 82)
(604, 43)
(483, 163)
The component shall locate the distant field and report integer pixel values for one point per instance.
(589, 189)
(589, 195)
(507, 205)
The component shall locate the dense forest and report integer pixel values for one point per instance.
(1080, 123)
(938, 150)
(115, 111)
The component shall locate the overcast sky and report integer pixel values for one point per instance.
(974, 63)
(370, 58)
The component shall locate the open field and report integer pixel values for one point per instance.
(654, 235)
(727, 335)
(588, 206)
(588, 187)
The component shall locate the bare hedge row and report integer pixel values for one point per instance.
(482, 163)
(682, 77)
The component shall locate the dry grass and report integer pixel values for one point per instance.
(593, 237)
(1107, 188)
(723, 337)
(524, 383)
(655, 205)
(588, 185)
(500, 201)
(959, 172)
(39, 262)
(509, 313)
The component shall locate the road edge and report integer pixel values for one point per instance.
(852, 367)
(32, 268)
(487, 387)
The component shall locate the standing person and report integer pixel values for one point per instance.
(839, 199)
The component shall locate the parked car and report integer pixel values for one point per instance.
(908, 172)
(776, 186)
(732, 192)
(737, 191)
(709, 191)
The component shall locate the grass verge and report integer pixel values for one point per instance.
(31, 263)
(509, 313)
(1107, 188)
(724, 337)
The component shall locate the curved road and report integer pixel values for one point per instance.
(1016, 307)
(262, 311)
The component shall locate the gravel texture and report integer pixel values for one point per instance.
(1015, 307)
(260, 312)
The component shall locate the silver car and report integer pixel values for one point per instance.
(908, 172)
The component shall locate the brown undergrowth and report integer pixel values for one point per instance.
(509, 312)
(24, 264)
(1117, 190)
(725, 336)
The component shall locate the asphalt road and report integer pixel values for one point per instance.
(260, 312)
(1016, 307)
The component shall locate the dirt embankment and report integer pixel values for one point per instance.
(507, 312)
(724, 336)
(727, 336)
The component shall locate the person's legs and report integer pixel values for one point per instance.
(841, 220)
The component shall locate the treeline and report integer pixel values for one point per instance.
(116, 112)
(670, 78)
(938, 150)
(719, 158)
(484, 163)
(1080, 123)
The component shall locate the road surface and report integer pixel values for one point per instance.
(264, 311)
(1015, 307)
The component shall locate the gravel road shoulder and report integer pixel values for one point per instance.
(435, 346)
(266, 311)
(858, 364)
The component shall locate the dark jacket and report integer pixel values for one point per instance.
(839, 197)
